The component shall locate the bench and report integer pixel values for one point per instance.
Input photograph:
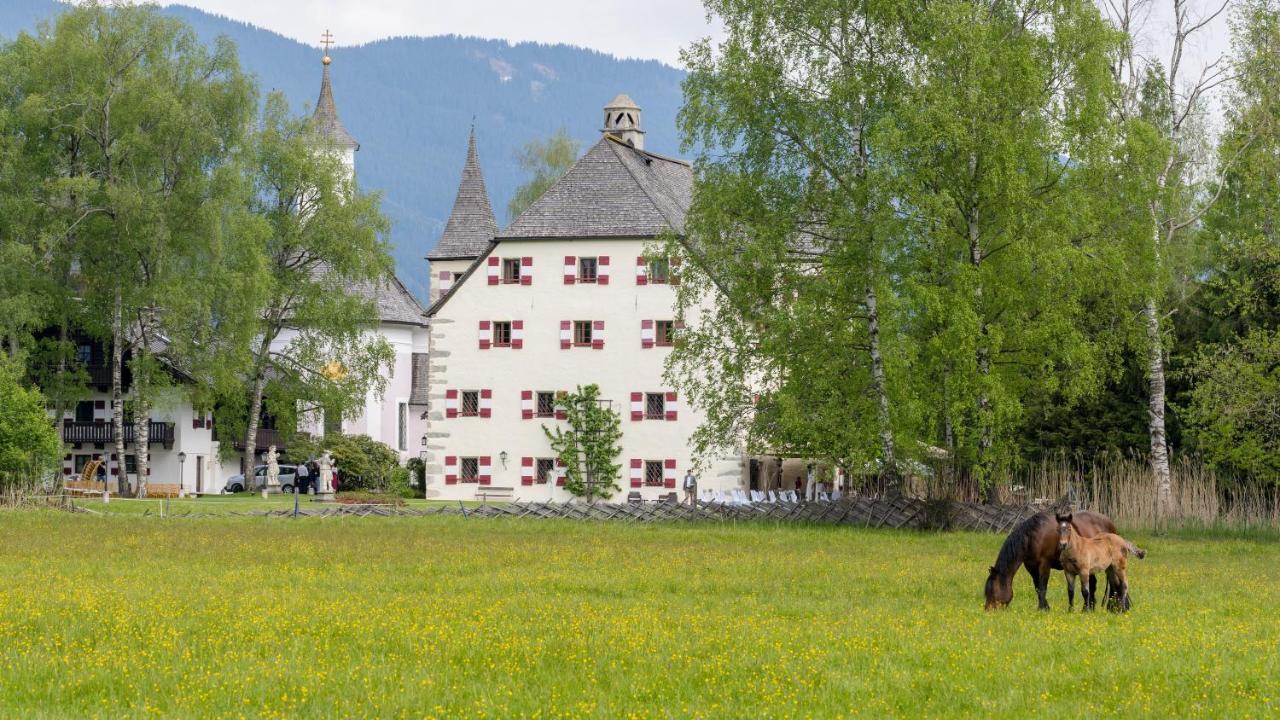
(162, 490)
(86, 487)
(485, 494)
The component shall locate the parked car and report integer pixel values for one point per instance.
(235, 483)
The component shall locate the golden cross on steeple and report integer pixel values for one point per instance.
(327, 41)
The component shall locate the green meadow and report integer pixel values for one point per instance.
(133, 616)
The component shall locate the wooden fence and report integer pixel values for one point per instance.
(862, 512)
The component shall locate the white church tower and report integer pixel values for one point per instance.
(328, 125)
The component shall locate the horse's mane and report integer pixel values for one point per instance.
(1015, 546)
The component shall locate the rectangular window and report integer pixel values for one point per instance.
(470, 470)
(470, 406)
(131, 464)
(546, 404)
(587, 269)
(502, 334)
(546, 471)
(581, 332)
(653, 473)
(511, 270)
(84, 412)
(80, 462)
(655, 406)
(659, 271)
(664, 332)
(84, 353)
(403, 410)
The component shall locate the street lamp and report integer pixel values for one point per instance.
(182, 476)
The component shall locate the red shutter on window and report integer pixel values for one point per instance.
(485, 476)
(451, 403)
(671, 407)
(646, 334)
(486, 403)
(526, 271)
(602, 270)
(196, 423)
(486, 334)
(493, 269)
(560, 472)
(669, 473)
(561, 413)
(566, 334)
(637, 472)
(597, 334)
(517, 334)
(637, 406)
(570, 269)
(526, 404)
(642, 271)
(450, 469)
(526, 471)
(99, 404)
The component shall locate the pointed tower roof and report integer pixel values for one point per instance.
(471, 225)
(326, 114)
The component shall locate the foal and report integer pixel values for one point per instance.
(1083, 557)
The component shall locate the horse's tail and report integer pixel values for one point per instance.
(1132, 549)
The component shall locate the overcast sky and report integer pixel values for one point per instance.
(649, 29)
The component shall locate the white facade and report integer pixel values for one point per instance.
(622, 366)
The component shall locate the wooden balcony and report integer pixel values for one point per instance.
(266, 437)
(102, 433)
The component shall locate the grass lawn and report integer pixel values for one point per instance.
(123, 616)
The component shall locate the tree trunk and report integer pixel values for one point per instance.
(117, 393)
(142, 439)
(1155, 412)
(251, 431)
(60, 400)
(985, 430)
(888, 452)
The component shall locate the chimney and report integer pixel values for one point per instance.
(622, 120)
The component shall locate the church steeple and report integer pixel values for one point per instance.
(326, 115)
(471, 225)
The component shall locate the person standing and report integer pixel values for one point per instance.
(301, 481)
(690, 487)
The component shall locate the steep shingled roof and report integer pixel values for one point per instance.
(614, 190)
(471, 225)
(326, 116)
(394, 302)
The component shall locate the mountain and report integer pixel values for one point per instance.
(409, 101)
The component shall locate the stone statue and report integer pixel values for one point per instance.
(273, 468)
(325, 481)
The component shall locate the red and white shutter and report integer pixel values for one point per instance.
(526, 404)
(517, 333)
(637, 406)
(446, 281)
(566, 334)
(561, 471)
(637, 472)
(646, 334)
(486, 334)
(561, 413)
(672, 406)
(450, 469)
(642, 271)
(451, 403)
(570, 269)
(526, 270)
(669, 473)
(602, 270)
(486, 404)
(597, 334)
(494, 269)
(526, 471)
(485, 474)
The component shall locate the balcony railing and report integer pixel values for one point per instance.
(103, 433)
(265, 438)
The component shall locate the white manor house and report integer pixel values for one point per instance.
(567, 295)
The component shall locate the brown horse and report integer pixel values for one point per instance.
(1033, 544)
(1083, 557)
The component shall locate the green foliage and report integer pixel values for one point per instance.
(546, 160)
(1234, 406)
(29, 444)
(364, 464)
(590, 446)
